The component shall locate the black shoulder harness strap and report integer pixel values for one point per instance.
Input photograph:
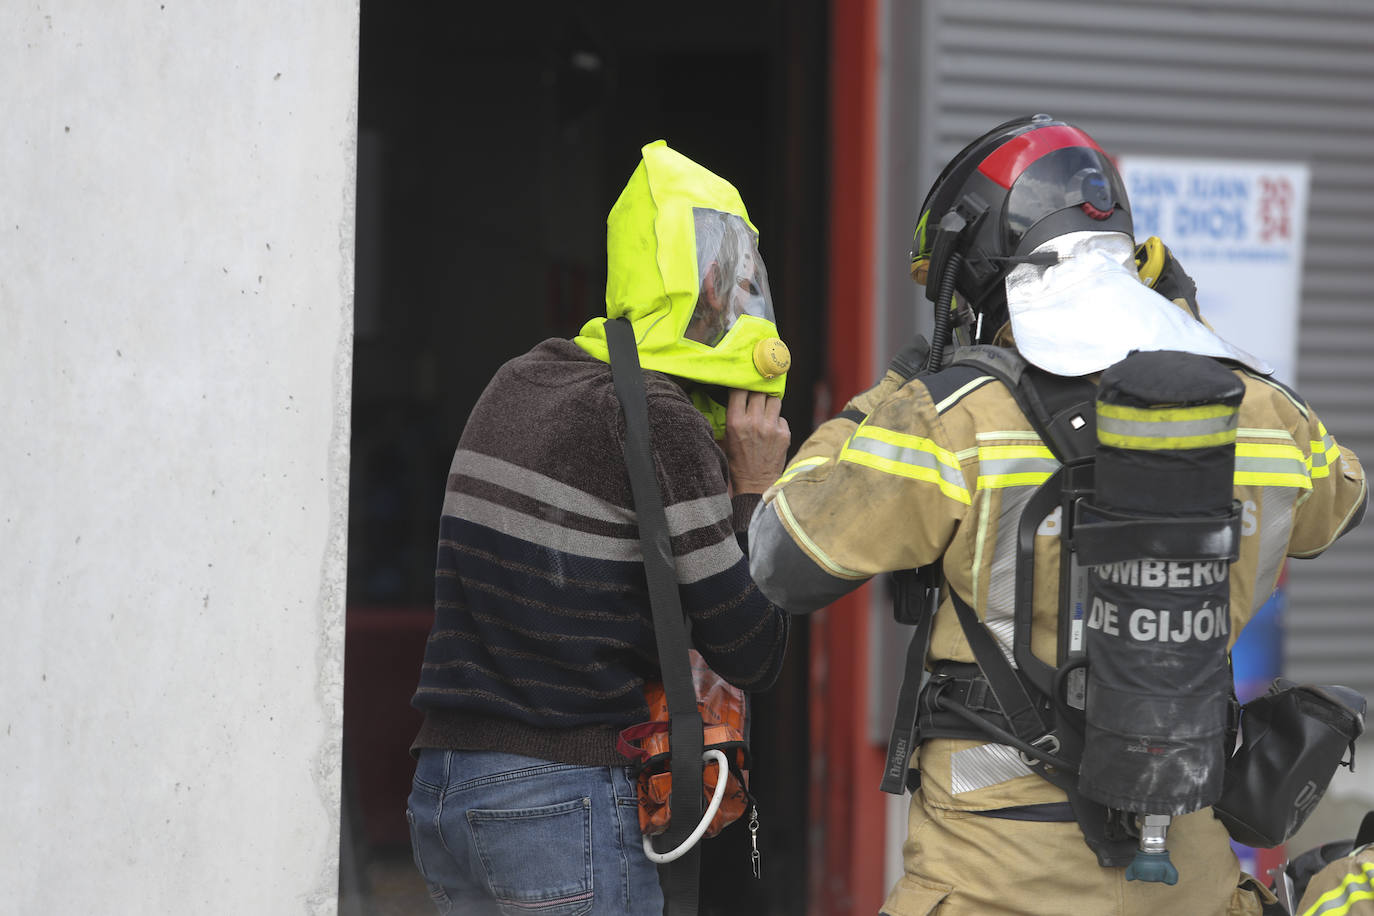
(686, 740)
(1062, 410)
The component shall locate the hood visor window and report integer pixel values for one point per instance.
(732, 279)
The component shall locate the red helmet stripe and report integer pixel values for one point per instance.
(1006, 163)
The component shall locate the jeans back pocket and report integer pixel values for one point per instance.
(537, 859)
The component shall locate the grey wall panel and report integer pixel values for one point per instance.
(1243, 79)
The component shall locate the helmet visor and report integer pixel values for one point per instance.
(732, 279)
(1072, 177)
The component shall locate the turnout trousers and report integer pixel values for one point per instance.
(961, 862)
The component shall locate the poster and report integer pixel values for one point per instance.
(1237, 227)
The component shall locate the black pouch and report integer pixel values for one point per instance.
(1291, 741)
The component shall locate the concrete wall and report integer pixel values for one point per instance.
(176, 247)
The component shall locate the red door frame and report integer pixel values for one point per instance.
(848, 811)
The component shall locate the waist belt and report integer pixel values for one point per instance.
(963, 685)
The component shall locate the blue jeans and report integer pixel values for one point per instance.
(500, 833)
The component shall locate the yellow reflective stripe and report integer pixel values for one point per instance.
(1353, 888)
(1002, 466)
(904, 455)
(1002, 481)
(1163, 414)
(1271, 465)
(1324, 452)
(1164, 443)
(800, 466)
(785, 513)
(1258, 479)
(914, 472)
(1270, 450)
(1171, 428)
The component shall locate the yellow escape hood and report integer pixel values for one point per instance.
(651, 276)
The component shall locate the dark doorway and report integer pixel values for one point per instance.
(493, 139)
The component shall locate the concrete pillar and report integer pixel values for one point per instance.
(176, 294)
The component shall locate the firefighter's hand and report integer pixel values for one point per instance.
(1160, 270)
(756, 440)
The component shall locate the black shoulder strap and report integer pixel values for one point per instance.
(670, 628)
(1010, 692)
(1062, 410)
(1365, 835)
(916, 594)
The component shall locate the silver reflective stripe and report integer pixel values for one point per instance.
(983, 766)
(1269, 464)
(1000, 606)
(1276, 526)
(1001, 467)
(1319, 458)
(1167, 429)
(1003, 629)
(899, 454)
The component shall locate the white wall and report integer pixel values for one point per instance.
(176, 246)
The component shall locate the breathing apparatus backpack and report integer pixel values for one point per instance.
(1131, 721)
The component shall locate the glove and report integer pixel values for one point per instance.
(1160, 270)
(911, 358)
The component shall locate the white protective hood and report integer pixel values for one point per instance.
(1090, 310)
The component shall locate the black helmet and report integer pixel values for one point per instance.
(1020, 184)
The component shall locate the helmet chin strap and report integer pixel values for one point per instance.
(1046, 258)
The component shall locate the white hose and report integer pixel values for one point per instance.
(660, 858)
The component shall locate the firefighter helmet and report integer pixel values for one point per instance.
(1022, 183)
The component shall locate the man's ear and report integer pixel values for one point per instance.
(708, 288)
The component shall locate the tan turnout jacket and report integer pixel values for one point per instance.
(1345, 887)
(938, 469)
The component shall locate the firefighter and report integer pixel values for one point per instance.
(1345, 887)
(1024, 245)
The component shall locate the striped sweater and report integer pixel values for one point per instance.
(543, 632)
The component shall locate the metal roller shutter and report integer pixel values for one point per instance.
(1244, 79)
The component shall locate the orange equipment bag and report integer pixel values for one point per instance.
(724, 712)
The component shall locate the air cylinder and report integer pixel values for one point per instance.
(1159, 534)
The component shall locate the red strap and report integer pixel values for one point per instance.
(638, 733)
